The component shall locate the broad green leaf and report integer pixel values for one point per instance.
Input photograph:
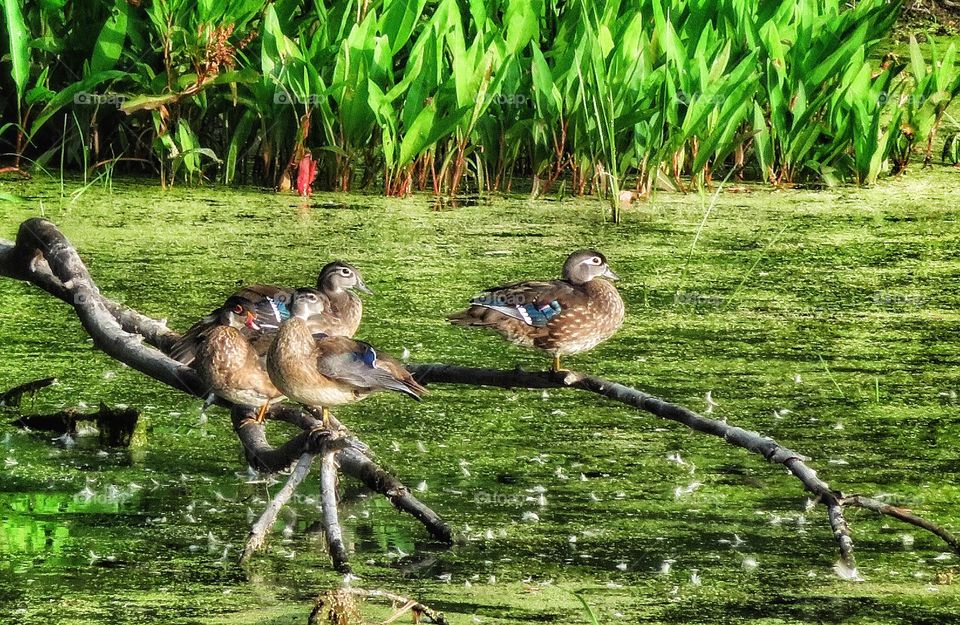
(522, 23)
(917, 64)
(109, 44)
(399, 20)
(428, 128)
(19, 40)
(76, 93)
(240, 137)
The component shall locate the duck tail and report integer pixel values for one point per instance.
(185, 349)
(463, 318)
(473, 317)
(400, 380)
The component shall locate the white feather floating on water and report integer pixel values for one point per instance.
(666, 565)
(710, 403)
(846, 572)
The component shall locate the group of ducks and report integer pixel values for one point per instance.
(267, 343)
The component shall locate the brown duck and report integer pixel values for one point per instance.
(336, 282)
(228, 361)
(560, 317)
(319, 371)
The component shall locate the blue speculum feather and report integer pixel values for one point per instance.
(531, 314)
(540, 315)
(271, 313)
(369, 356)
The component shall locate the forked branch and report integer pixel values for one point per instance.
(43, 257)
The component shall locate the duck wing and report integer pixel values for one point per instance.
(185, 349)
(534, 303)
(358, 364)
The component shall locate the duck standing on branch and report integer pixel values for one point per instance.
(228, 361)
(319, 371)
(560, 317)
(336, 282)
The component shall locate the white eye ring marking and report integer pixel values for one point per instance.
(596, 260)
(345, 272)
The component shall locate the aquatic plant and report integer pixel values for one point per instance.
(449, 96)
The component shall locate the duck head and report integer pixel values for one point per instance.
(307, 303)
(341, 276)
(240, 313)
(584, 265)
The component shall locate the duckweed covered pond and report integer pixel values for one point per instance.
(826, 319)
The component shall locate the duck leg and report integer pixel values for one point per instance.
(556, 363)
(262, 413)
(325, 417)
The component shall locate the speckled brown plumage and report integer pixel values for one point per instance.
(590, 309)
(322, 371)
(228, 361)
(229, 364)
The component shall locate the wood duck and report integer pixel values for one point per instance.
(319, 370)
(227, 357)
(336, 282)
(560, 317)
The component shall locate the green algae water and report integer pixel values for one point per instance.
(825, 319)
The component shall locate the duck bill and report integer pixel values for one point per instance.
(363, 288)
(251, 321)
(610, 274)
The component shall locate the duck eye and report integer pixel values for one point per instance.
(345, 272)
(238, 309)
(596, 260)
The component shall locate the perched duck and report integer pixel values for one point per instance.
(318, 370)
(227, 358)
(560, 317)
(336, 282)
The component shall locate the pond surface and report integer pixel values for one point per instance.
(828, 320)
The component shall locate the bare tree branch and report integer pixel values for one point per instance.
(43, 257)
(331, 516)
(904, 515)
(258, 533)
(765, 446)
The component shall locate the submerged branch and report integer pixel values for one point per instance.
(754, 442)
(43, 257)
(258, 532)
(11, 398)
(904, 515)
(340, 606)
(115, 426)
(331, 516)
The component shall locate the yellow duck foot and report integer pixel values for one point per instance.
(556, 368)
(325, 417)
